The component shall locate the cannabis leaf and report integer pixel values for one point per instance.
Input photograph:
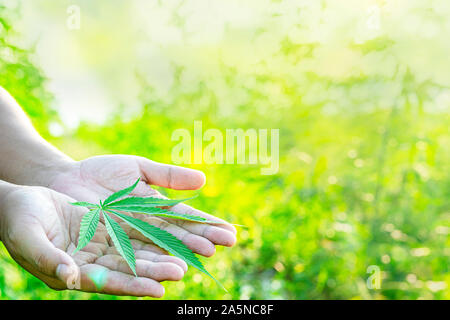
(163, 213)
(121, 193)
(166, 241)
(84, 204)
(121, 241)
(114, 206)
(147, 202)
(88, 226)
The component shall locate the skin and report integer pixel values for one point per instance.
(27, 159)
(39, 228)
(96, 178)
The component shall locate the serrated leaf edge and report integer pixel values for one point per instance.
(154, 211)
(149, 202)
(92, 222)
(200, 267)
(121, 193)
(109, 223)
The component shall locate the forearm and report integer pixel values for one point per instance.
(25, 157)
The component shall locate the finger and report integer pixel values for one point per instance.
(138, 245)
(185, 209)
(136, 237)
(38, 251)
(155, 257)
(169, 176)
(149, 252)
(222, 234)
(158, 271)
(96, 278)
(216, 235)
(194, 242)
(95, 248)
(152, 248)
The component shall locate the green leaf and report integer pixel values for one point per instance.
(121, 241)
(147, 202)
(120, 193)
(163, 213)
(88, 226)
(166, 241)
(84, 204)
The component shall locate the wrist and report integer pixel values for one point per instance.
(46, 174)
(35, 166)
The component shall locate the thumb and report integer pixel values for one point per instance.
(169, 176)
(49, 260)
(69, 274)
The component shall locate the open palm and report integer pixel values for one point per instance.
(96, 178)
(40, 231)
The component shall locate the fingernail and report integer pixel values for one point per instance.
(67, 275)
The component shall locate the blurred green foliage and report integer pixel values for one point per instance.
(21, 78)
(364, 174)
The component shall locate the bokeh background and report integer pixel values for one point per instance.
(359, 89)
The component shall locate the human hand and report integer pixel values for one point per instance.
(97, 177)
(39, 228)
